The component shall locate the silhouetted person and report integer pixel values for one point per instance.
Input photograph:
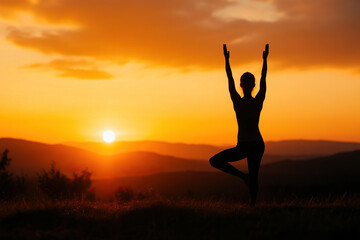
(250, 143)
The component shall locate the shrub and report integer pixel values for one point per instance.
(6, 178)
(57, 185)
(53, 183)
(81, 184)
(5, 160)
(124, 194)
(10, 185)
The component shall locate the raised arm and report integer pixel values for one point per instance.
(233, 93)
(262, 91)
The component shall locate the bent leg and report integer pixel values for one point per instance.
(222, 159)
(254, 160)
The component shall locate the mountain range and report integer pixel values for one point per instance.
(135, 158)
(292, 148)
(333, 175)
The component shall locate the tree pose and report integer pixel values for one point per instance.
(250, 143)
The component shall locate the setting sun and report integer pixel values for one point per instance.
(109, 136)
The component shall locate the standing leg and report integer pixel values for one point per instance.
(222, 159)
(254, 160)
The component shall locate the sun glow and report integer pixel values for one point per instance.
(109, 136)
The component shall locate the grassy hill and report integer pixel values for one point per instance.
(300, 199)
(165, 219)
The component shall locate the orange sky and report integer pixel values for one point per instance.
(155, 69)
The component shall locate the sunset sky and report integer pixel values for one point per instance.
(71, 69)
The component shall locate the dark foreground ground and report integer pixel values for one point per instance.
(180, 219)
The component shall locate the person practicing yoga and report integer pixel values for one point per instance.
(250, 143)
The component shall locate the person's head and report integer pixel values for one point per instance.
(247, 82)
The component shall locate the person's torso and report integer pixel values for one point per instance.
(248, 115)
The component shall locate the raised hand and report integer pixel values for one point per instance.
(226, 52)
(266, 52)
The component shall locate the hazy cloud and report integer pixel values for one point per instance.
(187, 33)
(250, 10)
(82, 69)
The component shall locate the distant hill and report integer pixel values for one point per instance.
(325, 175)
(31, 157)
(182, 150)
(174, 175)
(340, 167)
(309, 147)
(293, 149)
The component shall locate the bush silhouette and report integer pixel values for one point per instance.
(5, 160)
(53, 183)
(81, 184)
(6, 178)
(10, 185)
(57, 185)
(124, 194)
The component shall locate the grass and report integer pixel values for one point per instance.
(180, 219)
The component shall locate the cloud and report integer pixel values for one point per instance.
(250, 10)
(82, 69)
(188, 34)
